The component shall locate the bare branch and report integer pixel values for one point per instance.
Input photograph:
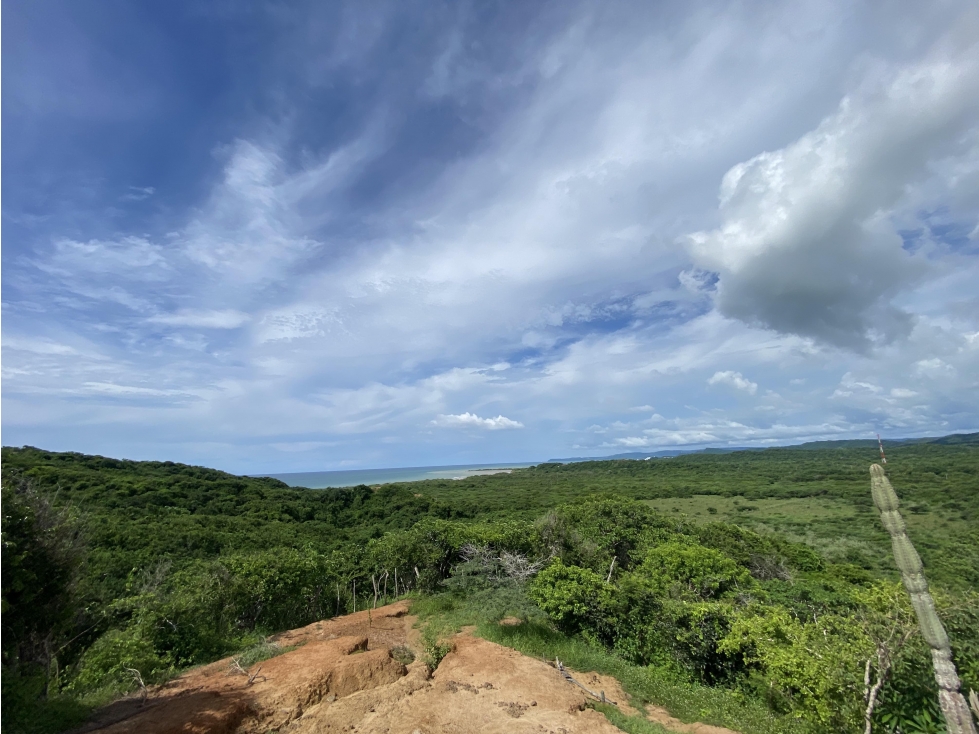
(253, 676)
(235, 667)
(138, 680)
(518, 567)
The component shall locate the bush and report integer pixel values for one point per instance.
(575, 598)
(264, 649)
(403, 654)
(27, 710)
(693, 631)
(435, 644)
(107, 664)
(42, 558)
(742, 545)
(633, 625)
(815, 668)
(909, 700)
(691, 571)
(592, 533)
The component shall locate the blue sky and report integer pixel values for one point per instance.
(291, 237)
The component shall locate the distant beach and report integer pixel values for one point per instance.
(351, 478)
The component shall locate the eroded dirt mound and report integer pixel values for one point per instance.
(343, 678)
(336, 658)
(479, 686)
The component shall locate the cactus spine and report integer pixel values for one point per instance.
(958, 719)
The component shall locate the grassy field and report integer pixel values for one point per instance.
(838, 530)
(770, 511)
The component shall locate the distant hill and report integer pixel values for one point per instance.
(954, 439)
(957, 439)
(665, 454)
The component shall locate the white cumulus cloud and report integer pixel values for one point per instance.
(734, 379)
(464, 420)
(807, 244)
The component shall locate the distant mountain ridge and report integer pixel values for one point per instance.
(951, 439)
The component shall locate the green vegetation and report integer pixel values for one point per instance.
(817, 494)
(748, 589)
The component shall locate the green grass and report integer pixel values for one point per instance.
(742, 511)
(261, 651)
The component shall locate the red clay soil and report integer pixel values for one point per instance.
(343, 678)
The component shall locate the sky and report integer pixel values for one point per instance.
(272, 237)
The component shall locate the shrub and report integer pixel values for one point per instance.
(435, 644)
(691, 570)
(694, 631)
(741, 545)
(575, 598)
(42, 555)
(592, 533)
(107, 663)
(264, 649)
(633, 622)
(816, 669)
(403, 654)
(27, 710)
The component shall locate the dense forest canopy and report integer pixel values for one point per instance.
(683, 568)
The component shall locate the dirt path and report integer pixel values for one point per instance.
(343, 678)
(662, 717)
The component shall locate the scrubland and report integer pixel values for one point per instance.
(747, 590)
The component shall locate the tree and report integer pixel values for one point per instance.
(42, 554)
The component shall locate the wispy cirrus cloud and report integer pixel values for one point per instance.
(224, 319)
(139, 193)
(369, 247)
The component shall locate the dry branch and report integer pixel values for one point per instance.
(600, 696)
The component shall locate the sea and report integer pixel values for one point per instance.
(353, 477)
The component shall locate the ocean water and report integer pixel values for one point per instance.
(323, 479)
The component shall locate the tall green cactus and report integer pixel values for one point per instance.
(958, 719)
